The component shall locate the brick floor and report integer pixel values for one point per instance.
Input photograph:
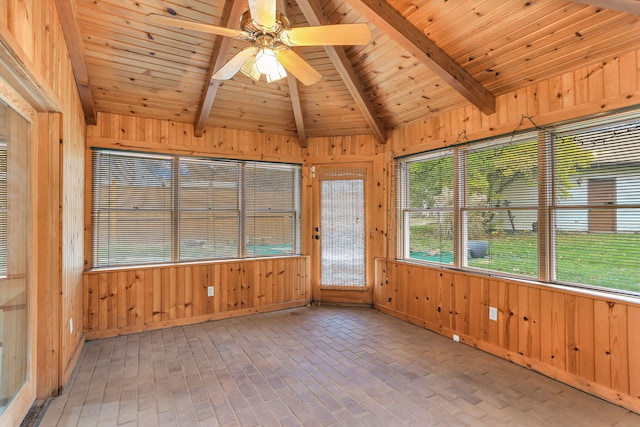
(315, 366)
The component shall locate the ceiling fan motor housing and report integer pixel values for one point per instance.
(256, 31)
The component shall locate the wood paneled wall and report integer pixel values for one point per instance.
(594, 89)
(163, 136)
(585, 340)
(123, 301)
(139, 299)
(34, 60)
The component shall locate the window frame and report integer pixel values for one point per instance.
(176, 210)
(546, 210)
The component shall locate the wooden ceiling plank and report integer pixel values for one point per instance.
(390, 21)
(231, 16)
(627, 6)
(315, 16)
(73, 39)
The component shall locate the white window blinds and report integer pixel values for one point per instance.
(157, 209)
(132, 209)
(596, 193)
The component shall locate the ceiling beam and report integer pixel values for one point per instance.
(231, 17)
(393, 24)
(297, 110)
(73, 39)
(315, 16)
(294, 94)
(627, 6)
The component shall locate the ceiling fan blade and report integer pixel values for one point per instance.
(234, 65)
(197, 26)
(324, 35)
(263, 12)
(298, 67)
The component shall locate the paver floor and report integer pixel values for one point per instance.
(313, 366)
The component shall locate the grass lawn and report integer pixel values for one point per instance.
(606, 260)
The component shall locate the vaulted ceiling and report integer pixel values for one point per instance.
(425, 57)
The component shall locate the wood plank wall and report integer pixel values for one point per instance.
(594, 89)
(36, 51)
(138, 299)
(163, 136)
(123, 301)
(587, 341)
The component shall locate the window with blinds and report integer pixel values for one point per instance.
(3, 208)
(500, 205)
(209, 209)
(132, 209)
(272, 205)
(150, 209)
(596, 204)
(558, 205)
(427, 206)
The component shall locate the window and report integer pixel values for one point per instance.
(15, 350)
(150, 209)
(499, 208)
(427, 207)
(558, 205)
(3, 208)
(597, 205)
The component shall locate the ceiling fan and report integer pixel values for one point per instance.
(271, 38)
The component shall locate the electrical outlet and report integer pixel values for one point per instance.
(493, 313)
(210, 291)
(71, 326)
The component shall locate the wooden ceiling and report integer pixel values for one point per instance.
(425, 57)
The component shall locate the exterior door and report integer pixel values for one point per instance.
(340, 223)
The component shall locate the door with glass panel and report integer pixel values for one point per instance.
(15, 318)
(341, 271)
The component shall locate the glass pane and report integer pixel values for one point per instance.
(132, 205)
(209, 203)
(430, 183)
(273, 205)
(342, 230)
(131, 237)
(271, 234)
(430, 236)
(599, 258)
(14, 266)
(503, 241)
(504, 174)
(207, 235)
(597, 223)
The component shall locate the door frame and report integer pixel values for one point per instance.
(351, 296)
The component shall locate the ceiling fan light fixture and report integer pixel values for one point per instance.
(266, 61)
(279, 74)
(250, 69)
